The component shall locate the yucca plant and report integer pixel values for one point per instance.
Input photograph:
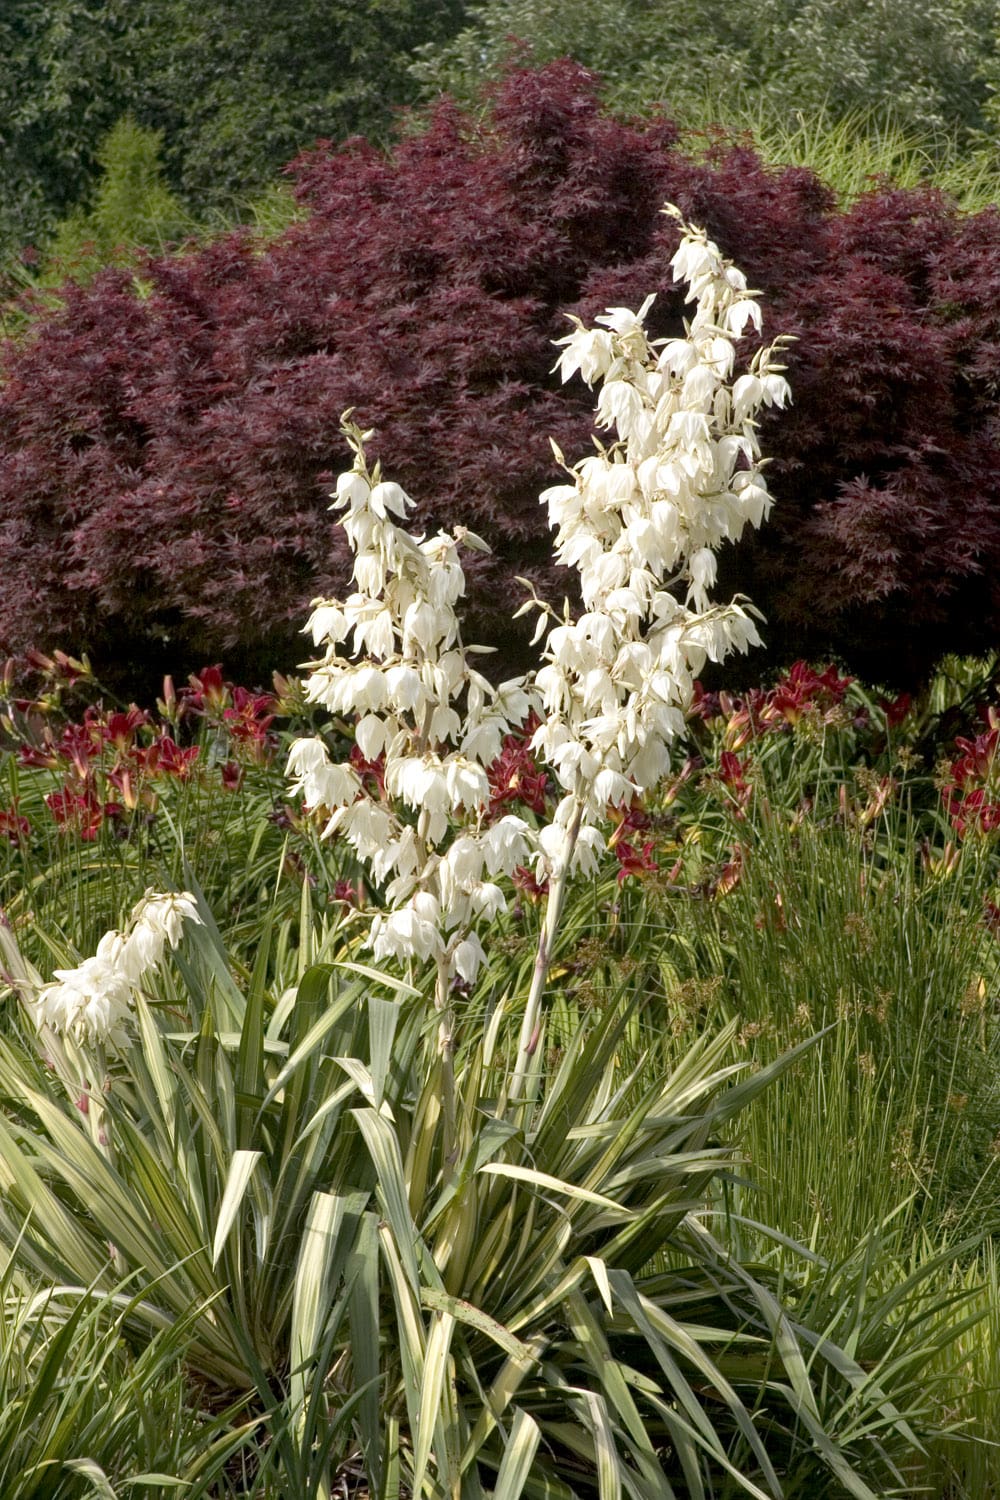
(650, 1355)
(83, 1414)
(540, 1309)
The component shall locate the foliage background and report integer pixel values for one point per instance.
(168, 432)
(930, 64)
(235, 96)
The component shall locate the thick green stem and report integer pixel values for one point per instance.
(446, 1053)
(524, 1084)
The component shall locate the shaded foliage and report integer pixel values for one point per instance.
(235, 95)
(930, 65)
(166, 456)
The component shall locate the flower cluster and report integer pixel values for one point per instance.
(971, 783)
(412, 799)
(242, 717)
(93, 1002)
(109, 764)
(81, 811)
(641, 518)
(803, 693)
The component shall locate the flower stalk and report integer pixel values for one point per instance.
(395, 663)
(525, 1078)
(641, 520)
(446, 1059)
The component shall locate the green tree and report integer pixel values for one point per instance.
(235, 95)
(67, 75)
(237, 100)
(131, 207)
(643, 50)
(922, 61)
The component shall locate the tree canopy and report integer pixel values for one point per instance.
(235, 93)
(928, 64)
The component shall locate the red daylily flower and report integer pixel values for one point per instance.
(372, 771)
(81, 812)
(13, 825)
(166, 758)
(524, 880)
(514, 776)
(633, 861)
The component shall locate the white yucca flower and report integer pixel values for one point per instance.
(395, 665)
(93, 1002)
(641, 521)
(681, 476)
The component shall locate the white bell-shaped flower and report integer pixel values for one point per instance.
(93, 1002)
(644, 515)
(424, 715)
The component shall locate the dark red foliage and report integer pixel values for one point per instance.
(165, 456)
